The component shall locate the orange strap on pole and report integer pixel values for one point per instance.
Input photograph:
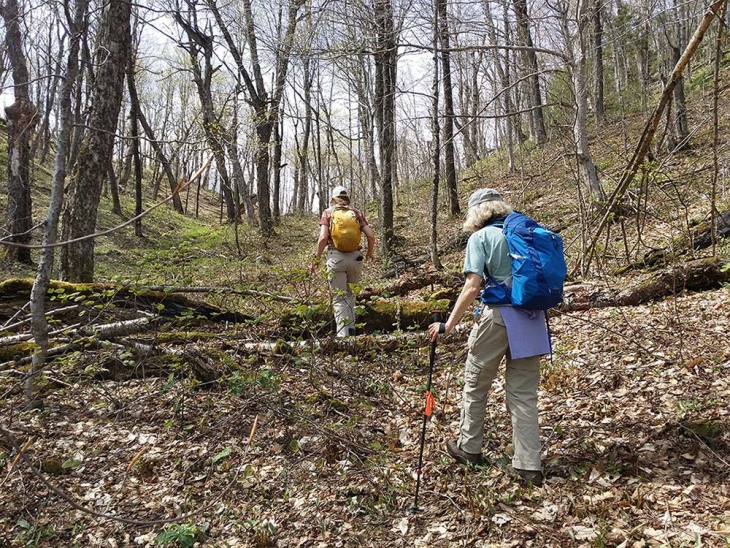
(430, 404)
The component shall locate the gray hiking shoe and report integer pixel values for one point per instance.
(461, 456)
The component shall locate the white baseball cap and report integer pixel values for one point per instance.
(340, 192)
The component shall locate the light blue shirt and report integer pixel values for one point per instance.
(487, 252)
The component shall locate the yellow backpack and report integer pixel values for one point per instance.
(345, 229)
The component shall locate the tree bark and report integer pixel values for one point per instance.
(215, 133)
(22, 118)
(39, 290)
(77, 259)
(449, 159)
(577, 55)
(167, 168)
(598, 100)
(385, 60)
(529, 57)
(435, 135)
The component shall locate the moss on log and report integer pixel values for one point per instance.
(16, 291)
(382, 315)
(699, 275)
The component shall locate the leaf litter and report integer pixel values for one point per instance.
(634, 421)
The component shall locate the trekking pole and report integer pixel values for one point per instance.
(428, 410)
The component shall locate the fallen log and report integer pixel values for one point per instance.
(697, 275)
(377, 316)
(450, 280)
(157, 302)
(700, 237)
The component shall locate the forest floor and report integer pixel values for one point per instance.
(295, 446)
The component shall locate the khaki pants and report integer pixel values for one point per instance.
(343, 268)
(487, 345)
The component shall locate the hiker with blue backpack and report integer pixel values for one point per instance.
(518, 268)
(340, 232)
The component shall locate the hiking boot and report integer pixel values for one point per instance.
(530, 477)
(461, 456)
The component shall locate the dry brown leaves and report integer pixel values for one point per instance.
(320, 451)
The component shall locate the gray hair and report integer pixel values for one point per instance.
(482, 214)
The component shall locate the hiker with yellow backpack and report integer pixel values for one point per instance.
(340, 230)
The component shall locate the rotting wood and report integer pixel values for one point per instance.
(158, 302)
(231, 290)
(406, 284)
(701, 238)
(698, 275)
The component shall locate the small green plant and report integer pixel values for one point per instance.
(269, 380)
(178, 534)
(31, 533)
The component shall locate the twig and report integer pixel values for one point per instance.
(6, 326)
(699, 439)
(49, 313)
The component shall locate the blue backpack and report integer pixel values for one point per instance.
(538, 266)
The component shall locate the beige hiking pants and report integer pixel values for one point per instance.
(487, 345)
(343, 268)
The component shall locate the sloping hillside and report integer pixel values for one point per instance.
(307, 443)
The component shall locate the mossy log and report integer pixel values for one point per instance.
(380, 315)
(455, 243)
(406, 284)
(700, 237)
(698, 275)
(15, 293)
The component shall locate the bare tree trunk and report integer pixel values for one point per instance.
(166, 167)
(385, 59)
(679, 120)
(39, 326)
(577, 60)
(303, 149)
(77, 259)
(598, 100)
(537, 123)
(449, 160)
(435, 132)
(22, 118)
(506, 93)
(43, 137)
(114, 189)
(136, 155)
(85, 79)
(202, 43)
(366, 118)
(276, 187)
